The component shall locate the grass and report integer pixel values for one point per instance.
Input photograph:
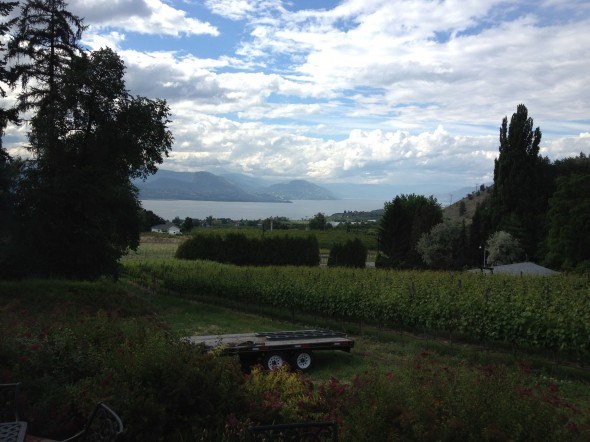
(375, 349)
(155, 246)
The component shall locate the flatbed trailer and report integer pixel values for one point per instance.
(274, 349)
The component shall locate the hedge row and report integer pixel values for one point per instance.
(352, 253)
(238, 249)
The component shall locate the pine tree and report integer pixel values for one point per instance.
(43, 48)
(6, 115)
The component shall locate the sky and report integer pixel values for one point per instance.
(406, 93)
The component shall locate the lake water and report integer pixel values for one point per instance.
(297, 210)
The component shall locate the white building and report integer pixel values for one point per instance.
(170, 228)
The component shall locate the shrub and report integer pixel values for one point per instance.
(383, 262)
(352, 254)
(160, 386)
(430, 400)
(281, 396)
(238, 249)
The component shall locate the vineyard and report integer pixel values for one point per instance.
(530, 313)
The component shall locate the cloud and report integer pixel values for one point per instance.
(204, 141)
(458, 57)
(233, 9)
(141, 16)
(382, 91)
(567, 146)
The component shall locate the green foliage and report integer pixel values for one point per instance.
(462, 208)
(318, 222)
(238, 249)
(443, 247)
(147, 219)
(426, 399)
(367, 234)
(187, 225)
(404, 221)
(42, 47)
(431, 400)
(71, 349)
(568, 245)
(6, 115)
(522, 185)
(548, 314)
(75, 209)
(503, 248)
(281, 396)
(73, 359)
(352, 253)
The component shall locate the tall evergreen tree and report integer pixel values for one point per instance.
(522, 185)
(6, 115)
(42, 49)
(514, 169)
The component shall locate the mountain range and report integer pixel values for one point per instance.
(205, 186)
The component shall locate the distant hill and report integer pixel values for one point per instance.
(205, 186)
(300, 190)
(198, 186)
(470, 200)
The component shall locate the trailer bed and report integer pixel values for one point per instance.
(275, 340)
(273, 346)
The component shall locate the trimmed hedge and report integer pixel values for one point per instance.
(352, 254)
(238, 249)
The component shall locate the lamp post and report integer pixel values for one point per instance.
(484, 255)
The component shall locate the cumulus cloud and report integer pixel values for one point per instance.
(381, 91)
(141, 16)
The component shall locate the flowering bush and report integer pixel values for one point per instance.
(160, 386)
(281, 396)
(429, 399)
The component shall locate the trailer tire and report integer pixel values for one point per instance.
(303, 360)
(273, 360)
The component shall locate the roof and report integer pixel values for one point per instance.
(166, 226)
(523, 268)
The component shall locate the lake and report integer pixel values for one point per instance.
(297, 210)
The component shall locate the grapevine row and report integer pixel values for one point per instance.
(528, 312)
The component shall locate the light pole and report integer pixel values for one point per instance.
(484, 255)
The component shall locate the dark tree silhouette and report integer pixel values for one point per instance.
(404, 221)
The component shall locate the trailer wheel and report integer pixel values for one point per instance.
(273, 360)
(303, 360)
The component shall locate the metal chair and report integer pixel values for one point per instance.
(104, 425)
(295, 432)
(9, 402)
(12, 429)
